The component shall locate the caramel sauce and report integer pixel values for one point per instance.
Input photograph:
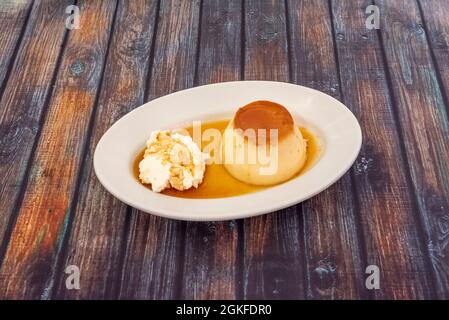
(264, 115)
(217, 182)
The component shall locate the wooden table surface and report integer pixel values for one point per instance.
(61, 89)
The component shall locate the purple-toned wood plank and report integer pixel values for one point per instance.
(100, 220)
(154, 254)
(385, 201)
(32, 256)
(434, 14)
(334, 262)
(23, 99)
(424, 125)
(210, 258)
(273, 254)
(14, 16)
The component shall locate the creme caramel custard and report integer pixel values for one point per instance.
(262, 146)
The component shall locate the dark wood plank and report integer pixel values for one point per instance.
(435, 19)
(99, 227)
(153, 259)
(13, 16)
(334, 263)
(424, 125)
(24, 97)
(210, 258)
(385, 202)
(273, 253)
(31, 260)
(220, 44)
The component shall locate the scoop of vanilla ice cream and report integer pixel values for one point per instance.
(172, 160)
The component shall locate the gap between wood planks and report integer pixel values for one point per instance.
(72, 206)
(15, 50)
(240, 241)
(22, 188)
(355, 199)
(418, 214)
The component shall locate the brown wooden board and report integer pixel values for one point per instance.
(424, 126)
(153, 258)
(387, 213)
(334, 261)
(434, 14)
(436, 25)
(61, 90)
(210, 258)
(100, 221)
(43, 219)
(23, 102)
(273, 253)
(14, 17)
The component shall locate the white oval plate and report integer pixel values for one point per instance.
(337, 129)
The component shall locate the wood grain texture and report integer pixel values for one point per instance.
(434, 14)
(13, 15)
(152, 264)
(24, 97)
(220, 44)
(210, 258)
(391, 210)
(100, 220)
(386, 209)
(334, 262)
(31, 259)
(424, 125)
(273, 253)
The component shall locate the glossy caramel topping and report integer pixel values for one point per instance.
(266, 115)
(218, 183)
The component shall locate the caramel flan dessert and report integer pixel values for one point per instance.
(258, 148)
(262, 145)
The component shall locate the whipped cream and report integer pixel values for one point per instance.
(172, 160)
